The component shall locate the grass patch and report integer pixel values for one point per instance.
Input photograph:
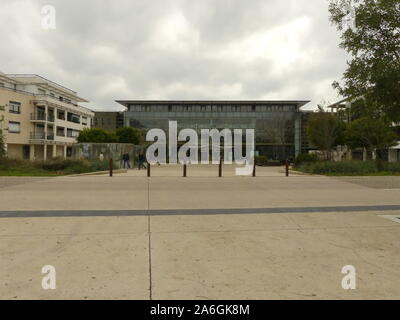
(351, 168)
(50, 168)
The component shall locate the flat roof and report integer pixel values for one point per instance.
(299, 103)
(37, 79)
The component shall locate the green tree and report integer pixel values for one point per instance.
(371, 35)
(95, 135)
(2, 140)
(2, 145)
(325, 131)
(129, 135)
(371, 134)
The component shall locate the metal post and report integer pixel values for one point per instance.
(287, 168)
(111, 167)
(185, 170)
(254, 169)
(148, 170)
(220, 169)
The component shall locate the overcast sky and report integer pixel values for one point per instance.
(176, 49)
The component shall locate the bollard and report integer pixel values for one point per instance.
(220, 169)
(185, 170)
(287, 168)
(111, 167)
(148, 170)
(254, 169)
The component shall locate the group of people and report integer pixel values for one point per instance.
(125, 160)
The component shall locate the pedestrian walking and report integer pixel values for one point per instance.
(125, 159)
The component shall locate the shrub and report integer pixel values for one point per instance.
(341, 168)
(392, 167)
(305, 157)
(129, 135)
(56, 166)
(96, 135)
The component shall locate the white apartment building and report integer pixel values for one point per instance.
(40, 119)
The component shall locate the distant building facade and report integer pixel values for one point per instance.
(108, 120)
(277, 124)
(40, 118)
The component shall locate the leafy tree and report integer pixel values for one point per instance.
(371, 134)
(371, 35)
(129, 135)
(2, 140)
(325, 131)
(95, 135)
(2, 145)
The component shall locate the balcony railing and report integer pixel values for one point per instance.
(38, 116)
(38, 135)
(41, 136)
(42, 117)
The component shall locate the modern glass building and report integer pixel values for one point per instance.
(277, 124)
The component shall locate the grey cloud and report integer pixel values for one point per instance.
(117, 49)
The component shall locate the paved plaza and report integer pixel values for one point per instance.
(200, 237)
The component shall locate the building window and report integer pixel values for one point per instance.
(42, 92)
(60, 115)
(71, 117)
(14, 107)
(60, 132)
(14, 127)
(71, 133)
(1, 84)
(84, 121)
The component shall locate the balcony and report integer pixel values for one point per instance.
(38, 136)
(40, 116)
(41, 136)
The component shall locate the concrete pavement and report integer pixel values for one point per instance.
(221, 256)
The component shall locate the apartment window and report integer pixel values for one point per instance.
(14, 107)
(60, 115)
(72, 133)
(14, 127)
(60, 132)
(84, 121)
(72, 117)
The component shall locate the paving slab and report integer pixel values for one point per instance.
(94, 258)
(76, 193)
(275, 264)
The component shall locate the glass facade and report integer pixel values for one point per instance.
(277, 124)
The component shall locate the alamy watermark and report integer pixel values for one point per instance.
(196, 150)
(349, 280)
(349, 20)
(49, 280)
(48, 21)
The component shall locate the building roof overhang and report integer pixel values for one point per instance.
(299, 103)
